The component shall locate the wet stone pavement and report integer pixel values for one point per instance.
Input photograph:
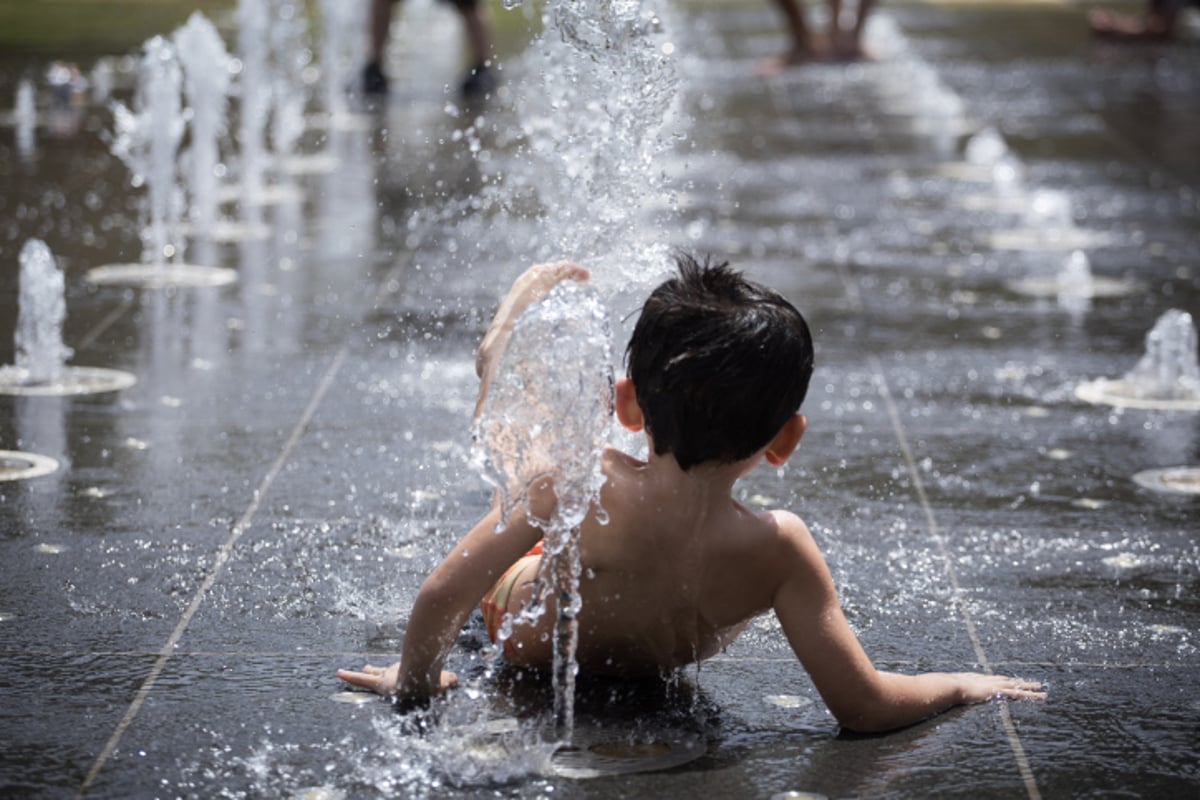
(260, 507)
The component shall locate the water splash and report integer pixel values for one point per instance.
(340, 23)
(206, 66)
(254, 88)
(593, 112)
(43, 308)
(25, 118)
(1075, 278)
(1050, 208)
(549, 414)
(1169, 368)
(988, 149)
(289, 97)
(147, 140)
(40, 368)
(1075, 285)
(1167, 377)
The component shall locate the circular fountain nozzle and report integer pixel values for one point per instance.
(595, 752)
(1171, 480)
(161, 276)
(18, 466)
(1122, 393)
(69, 381)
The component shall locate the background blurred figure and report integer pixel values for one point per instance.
(1156, 23)
(843, 41)
(479, 39)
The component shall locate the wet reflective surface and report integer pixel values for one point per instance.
(260, 507)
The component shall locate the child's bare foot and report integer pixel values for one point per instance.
(797, 56)
(1121, 27)
(848, 47)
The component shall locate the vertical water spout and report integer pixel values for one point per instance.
(206, 68)
(255, 91)
(147, 140)
(289, 96)
(594, 119)
(548, 414)
(25, 117)
(1169, 369)
(40, 315)
(337, 31)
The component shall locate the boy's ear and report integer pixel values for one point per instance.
(629, 413)
(781, 447)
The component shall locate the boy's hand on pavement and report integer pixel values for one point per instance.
(977, 687)
(383, 680)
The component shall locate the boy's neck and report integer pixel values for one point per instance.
(708, 478)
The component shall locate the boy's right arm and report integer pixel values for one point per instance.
(861, 697)
(445, 600)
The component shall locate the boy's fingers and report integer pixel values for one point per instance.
(357, 678)
(556, 271)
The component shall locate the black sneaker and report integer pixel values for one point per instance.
(479, 81)
(373, 79)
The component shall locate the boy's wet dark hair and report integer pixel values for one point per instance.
(719, 363)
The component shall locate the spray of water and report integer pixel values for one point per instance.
(147, 140)
(207, 70)
(598, 89)
(25, 117)
(548, 414)
(40, 349)
(341, 23)
(254, 88)
(592, 112)
(289, 32)
(1169, 368)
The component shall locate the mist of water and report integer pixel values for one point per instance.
(147, 140)
(206, 66)
(40, 315)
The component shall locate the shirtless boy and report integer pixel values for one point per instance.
(717, 369)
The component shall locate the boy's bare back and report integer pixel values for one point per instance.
(671, 578)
